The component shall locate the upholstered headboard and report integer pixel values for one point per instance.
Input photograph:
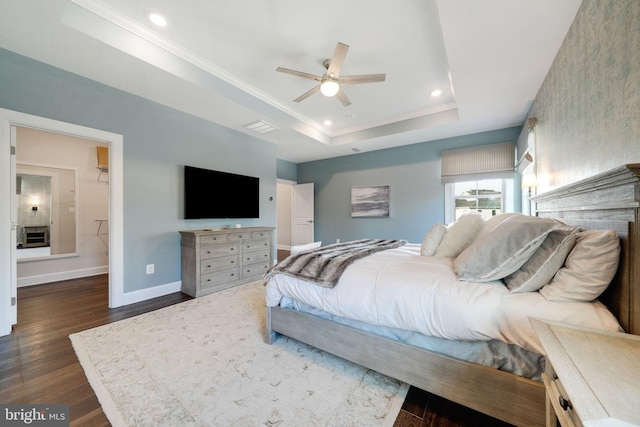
(610, 200)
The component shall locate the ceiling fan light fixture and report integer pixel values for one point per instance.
(329, 87)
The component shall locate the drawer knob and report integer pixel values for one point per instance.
(208, 266)
(564, 403)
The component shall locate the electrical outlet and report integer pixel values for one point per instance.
(150, 268)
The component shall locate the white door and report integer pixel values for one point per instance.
(303, 220)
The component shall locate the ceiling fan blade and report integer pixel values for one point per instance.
(299, 74)
(364, 78)
(307, 94)
(337, 59)
(342, 97)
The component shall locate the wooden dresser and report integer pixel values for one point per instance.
(217, 259)
(592, 377)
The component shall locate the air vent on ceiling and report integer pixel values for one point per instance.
(261, 127)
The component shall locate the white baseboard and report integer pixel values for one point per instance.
(149, 293)
(284, 247)
(63, 275)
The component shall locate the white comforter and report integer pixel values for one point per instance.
(400, 288)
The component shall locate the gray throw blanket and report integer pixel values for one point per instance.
(325, 265)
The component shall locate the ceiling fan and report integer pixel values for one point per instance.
(331, 82)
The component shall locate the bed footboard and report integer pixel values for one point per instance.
(505, 396)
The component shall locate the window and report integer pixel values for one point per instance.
(488, 197)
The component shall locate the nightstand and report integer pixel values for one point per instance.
(592, 377)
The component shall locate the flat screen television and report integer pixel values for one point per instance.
(216, 194)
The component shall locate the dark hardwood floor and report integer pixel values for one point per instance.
(38, 364)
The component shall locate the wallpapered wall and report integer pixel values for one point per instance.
(588, 107)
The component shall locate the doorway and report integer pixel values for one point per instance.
(9, 121)
(295, 214)
(61, 207)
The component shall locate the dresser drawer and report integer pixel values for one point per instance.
(258, 256)
(220, 263)
(261, 235)
(256, 245)
(255, 269)
(240, 235)
(210, 280)
(215, 238)
(213, 251)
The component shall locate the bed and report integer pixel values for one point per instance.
(607, 201)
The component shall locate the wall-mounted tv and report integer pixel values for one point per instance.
(216, 194)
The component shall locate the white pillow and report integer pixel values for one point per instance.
(545, 261)
(589, 268)
(460, 235)
(301, 248)
(432, 239)
(499, 253)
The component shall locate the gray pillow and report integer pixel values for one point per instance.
(545, 262)
(497, 254)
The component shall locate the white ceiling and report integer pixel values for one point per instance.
(216, 59)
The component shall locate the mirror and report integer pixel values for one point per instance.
(46, 216)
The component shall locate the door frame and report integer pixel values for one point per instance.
(9, 118)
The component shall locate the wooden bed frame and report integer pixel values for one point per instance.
(606, 201)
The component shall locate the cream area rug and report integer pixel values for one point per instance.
(204, 362)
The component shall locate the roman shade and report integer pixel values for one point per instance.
(481, 162)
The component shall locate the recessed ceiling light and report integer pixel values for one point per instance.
(436, 92)
(158, 19)
(328, 122)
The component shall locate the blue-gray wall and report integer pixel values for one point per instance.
(158, 142)
(287, 170)
(413, 172)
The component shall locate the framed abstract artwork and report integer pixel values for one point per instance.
(370, 201)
